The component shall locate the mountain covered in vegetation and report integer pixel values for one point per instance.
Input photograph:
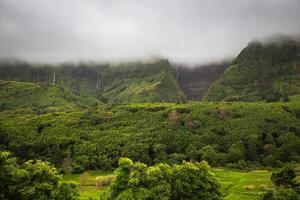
(262, 71)
(121, 83)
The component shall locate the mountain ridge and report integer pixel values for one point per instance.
(261, 72)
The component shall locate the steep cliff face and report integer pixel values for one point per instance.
(123, 83)
(269, 72)
(196, 81)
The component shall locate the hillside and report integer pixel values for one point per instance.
(122, 83)
(262, 71)
(40, 97)
(76, 139)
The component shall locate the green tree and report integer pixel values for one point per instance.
(269, 160)
(290, 147)
(159, 153)
(209, 154)
(285, 177)
(163, 181)
(122, 175)
(194, 181)
(32, 180)
(286, 187)
(252, 144)
(192, 153)
(236, 152)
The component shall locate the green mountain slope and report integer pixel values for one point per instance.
(40, 97)
(260, 72)
(122, 83)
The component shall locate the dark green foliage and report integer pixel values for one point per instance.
(32, 180)
(269, 160)
(287, 188)
(209, 154)
(268, 72)
(285, 177)
(236, 152)
(194, 181)
(282, 194)
(163, 181)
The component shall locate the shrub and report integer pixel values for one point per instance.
(242, 164)
(249, 187)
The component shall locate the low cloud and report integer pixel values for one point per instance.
(183, 31)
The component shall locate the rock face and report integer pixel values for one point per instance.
(195, 81)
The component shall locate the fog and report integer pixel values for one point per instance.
(191, 31)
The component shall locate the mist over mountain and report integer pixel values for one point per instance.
(264, 70)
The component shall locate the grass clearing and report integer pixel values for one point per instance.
(236, 184)
(86, 183)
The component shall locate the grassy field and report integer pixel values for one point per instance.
(248, 185)
(86, 183)
(236, 184)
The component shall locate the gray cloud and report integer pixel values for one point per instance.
(184, 31)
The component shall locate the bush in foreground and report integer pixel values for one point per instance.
(163, 181)
(32, 180)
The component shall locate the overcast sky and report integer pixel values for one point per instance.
(182, 30)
